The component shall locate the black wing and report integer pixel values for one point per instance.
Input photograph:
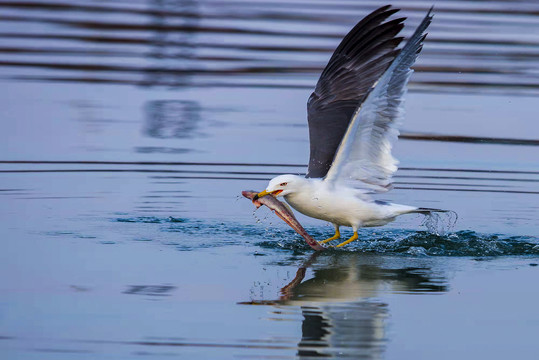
(358, 62)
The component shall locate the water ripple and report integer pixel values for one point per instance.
(285, 44)
(423, 243)
(386, 241)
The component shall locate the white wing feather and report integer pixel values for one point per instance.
(364, 157)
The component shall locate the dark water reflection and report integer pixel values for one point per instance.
(172, 119)
(342, 315)
(150, 290)
(256, 43)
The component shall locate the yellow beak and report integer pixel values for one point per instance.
(260, 194)
(264, 193)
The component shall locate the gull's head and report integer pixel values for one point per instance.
(282, 185)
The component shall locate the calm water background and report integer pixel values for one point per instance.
(128, 130)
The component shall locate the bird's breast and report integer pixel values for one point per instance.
(328, 206)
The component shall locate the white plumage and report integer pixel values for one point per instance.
(362, 162)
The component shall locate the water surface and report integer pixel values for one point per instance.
(130, 128)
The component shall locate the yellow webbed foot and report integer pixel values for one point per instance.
(354, 237)
(334, 237)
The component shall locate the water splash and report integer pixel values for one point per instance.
(425, 243)
(150, 220)
(193, 234)
(440, 223)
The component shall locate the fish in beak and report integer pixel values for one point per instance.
(283, 211)
(265, 192)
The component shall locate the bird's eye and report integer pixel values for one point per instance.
(283, 184)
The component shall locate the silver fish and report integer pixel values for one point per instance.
(282, 211)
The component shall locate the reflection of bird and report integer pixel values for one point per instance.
(341, 301)
(350, 277)
(353, 113)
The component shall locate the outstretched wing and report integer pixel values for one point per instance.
(357, 63)
(365, 151)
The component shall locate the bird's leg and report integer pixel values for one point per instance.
(354, 237)
(334, 237)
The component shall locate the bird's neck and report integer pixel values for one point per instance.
(306, 187)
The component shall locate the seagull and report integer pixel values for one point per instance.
(353, 115)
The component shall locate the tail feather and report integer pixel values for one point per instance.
(428, 210)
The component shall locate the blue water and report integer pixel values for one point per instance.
(129, 130)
